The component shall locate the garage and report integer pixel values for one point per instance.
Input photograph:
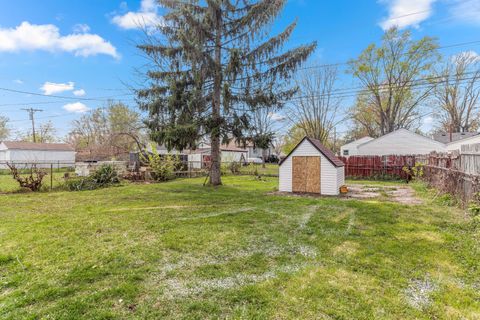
(42, 154)
(311, 168)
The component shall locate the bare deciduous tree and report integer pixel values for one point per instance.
(107, 132)
(262, 129)
(316, 110)
(45, 133)
(394, 78)
(4, 130)
(457, 95)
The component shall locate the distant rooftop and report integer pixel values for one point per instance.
(456, 136)
(18, 145)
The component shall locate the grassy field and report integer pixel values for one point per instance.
(180, 250)
(8, 185)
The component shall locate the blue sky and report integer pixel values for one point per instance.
(84, 49)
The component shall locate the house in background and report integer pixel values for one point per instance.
(351, 149)
(453, 137)
(311, 168)
(231, 152)
(258, 152)
(456, 145)
(42, 154)
(399, 142)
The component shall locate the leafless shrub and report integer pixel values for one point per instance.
(32, 180)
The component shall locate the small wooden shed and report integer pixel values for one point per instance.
(311, 168)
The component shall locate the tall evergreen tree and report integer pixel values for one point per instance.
(212, 65)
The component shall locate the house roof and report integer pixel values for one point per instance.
(358, 141)
(400, 130)
(18, 145)
(322, 149)
(467, 140)
(456, 136)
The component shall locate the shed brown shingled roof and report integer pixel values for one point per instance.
(320, 147)
(17, 145)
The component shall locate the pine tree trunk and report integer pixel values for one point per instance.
(264, 157)
(215, 172)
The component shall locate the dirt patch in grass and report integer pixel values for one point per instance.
(400, 194)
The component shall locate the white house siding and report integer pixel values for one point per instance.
(457, 145)
(233, 156)
(195, 160)
(340, 177)
(352, 147)
(328, 172)
(257, 152)
(43, 158)
(227, 156)
(400, 142)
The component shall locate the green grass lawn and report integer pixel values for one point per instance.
(180, 250)
(9, 185)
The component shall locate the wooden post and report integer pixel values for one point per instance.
(51, 176)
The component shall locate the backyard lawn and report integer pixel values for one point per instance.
(181, 250)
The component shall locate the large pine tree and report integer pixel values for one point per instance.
(213, 63)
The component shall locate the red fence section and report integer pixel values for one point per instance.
(371, 166)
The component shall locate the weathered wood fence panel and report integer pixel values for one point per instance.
(470, 156)
(371, 166)
(457, 173)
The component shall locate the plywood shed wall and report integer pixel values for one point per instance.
(307, 169)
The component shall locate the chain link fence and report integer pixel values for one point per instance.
(56, 173)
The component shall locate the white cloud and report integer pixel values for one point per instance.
(147, 17)
(406, 13)
(276, 116)
(50, 88)
(79, 93)
(18, 81)
(76, 107)
(467, 11)
(81, 28)
(30, 37)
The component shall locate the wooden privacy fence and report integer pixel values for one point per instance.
(376, 166)
(457, 173)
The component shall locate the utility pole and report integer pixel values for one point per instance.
(31, 112)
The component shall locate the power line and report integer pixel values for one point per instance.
(336, 64)
(381, 88)
(63, 97)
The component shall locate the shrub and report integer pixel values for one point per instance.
(32, 180)
(415, 172)
(474, 206)
(103, 177)
(163, 166)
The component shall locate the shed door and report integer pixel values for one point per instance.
(306, 174)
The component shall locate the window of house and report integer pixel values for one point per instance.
(345, 152)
